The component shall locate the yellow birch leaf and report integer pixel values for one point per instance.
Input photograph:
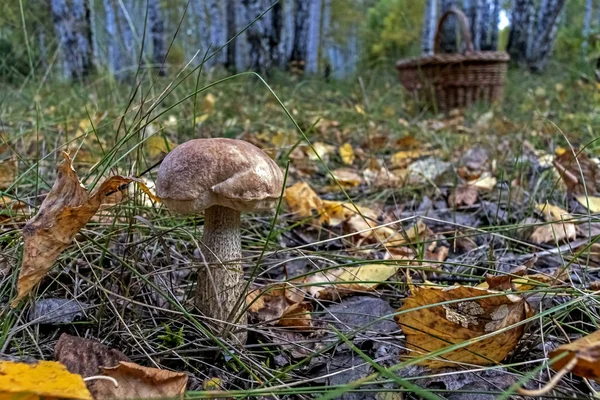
(592, 203)
(587, 352)
(41, 380)
(347, 153)
(302, 201)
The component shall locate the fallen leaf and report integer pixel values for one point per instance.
(587, 352)
(208, 104)
(8, 173)
(137, 382)
(56, 311)
(484, 182)
(158, 146)
(592, 203)
(64, 211)
(269, 305)
(335, 283)
(319, 150)
(347, 153)
(579, 174)
(346, 177)
(463, 195)
(302, 201)
(42, 380)
(556, 229)
(84, 356)
(297, 316)
(441, 325)
(427, 170)
(403, 158)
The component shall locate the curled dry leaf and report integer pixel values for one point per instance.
(441, 325)
(587, 352)
(41, 380)
(346, 177)
(279, 305)
(592, 203)
(64, 211)
(571, 170)
(302, 200)
(463, 195)
(335, 283)
(137, 382)
(557, 229)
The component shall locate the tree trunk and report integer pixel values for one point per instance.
(202, 30)
(95, 48)
(429, 27)
(484, 25)
(300, 33)
(547, 27)
(125, 9)
(258, 35)
(157, 32)
(73, 31)
(114, 56)
(495, 24)
(242, 55)
(521, 30)
(314, 37)
(231, 32)
(587, 22)
(286, 45)
(218, 29)
(326, 32)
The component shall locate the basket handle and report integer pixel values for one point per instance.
(463, 22)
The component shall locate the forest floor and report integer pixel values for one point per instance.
(386, 205)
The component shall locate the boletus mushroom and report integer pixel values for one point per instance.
(222, 177)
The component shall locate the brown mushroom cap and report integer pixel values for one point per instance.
(232, 173)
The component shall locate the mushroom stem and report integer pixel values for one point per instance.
(221, 281)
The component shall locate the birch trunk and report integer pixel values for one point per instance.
(157, 32)
(218, 29)
(313, 37)
(300, 32)
(521, 30)
(114, 57)
(429, 27)
(587, 23)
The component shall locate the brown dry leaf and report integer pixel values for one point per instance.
(347, 153)
(335, 283)
(587, 352)
(269, 305)
(485, 182)
(569, 169)
(302, 201)
(137, 382)
(8, 173)
(297, 316)
(84, 356)
(66, 209)
(439, 326)
(44, 380)
(463, 195)
(346, 177)
(556, 230)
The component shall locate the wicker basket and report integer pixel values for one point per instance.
(451, 81)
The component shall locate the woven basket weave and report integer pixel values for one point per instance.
(456, 80)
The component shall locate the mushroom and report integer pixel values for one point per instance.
(221, 177)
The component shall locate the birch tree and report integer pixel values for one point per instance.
(448, 42)
(73, 32)
(218, 29)
(521, 29)
(495, 24)
(125, 32)
(286, 45)
(114, 57)
(300, 31)
(157, 32)
(429, 27)
(313, 37)
(587, 22)
(547, 26)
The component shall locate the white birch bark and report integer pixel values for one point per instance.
(313, 37)
(429, 27)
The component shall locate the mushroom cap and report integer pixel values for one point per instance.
(232, 173)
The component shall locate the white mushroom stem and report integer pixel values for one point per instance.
(221, 281)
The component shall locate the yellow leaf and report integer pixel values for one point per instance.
(64, 211)
(347, 177)
(8, 173)
(556, 230)
(319, 150)
(590, 202)
(212, 383)
(359, 109)
(485, 182)
(158, 146)
(209, 103)
(403, 158)
(438, 326)
(334, 283)
(42, 380)
(302, 201)
(552, 213)
(347, 153)
(201, 118)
